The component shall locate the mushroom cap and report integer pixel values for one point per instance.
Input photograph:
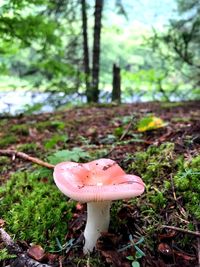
(98, 180)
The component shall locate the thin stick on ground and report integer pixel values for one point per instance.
(182, 230)
(22, 258)
(14, 154)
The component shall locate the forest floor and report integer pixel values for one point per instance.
(33, 211)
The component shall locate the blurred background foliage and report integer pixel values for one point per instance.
(41, 48)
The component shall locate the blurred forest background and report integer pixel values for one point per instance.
(62, 52)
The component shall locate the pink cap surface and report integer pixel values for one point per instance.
(98, 180)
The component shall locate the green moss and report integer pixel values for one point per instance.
(54, 140)
(28, 148)
(4, 160)
(4, 254)
(52, 125)
(7, 140)
(155, 163)
(21, 129)
(156, 166)
(187, 183)
(34, 209)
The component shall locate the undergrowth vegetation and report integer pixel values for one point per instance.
(36, 211)
(163, 171)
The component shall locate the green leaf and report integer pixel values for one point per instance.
(68, 155)
(138, 255)
(131, 258)
(54, 140)
(135, 264)
(141, 253)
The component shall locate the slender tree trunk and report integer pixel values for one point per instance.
(94, 93)
(116, 84)
(85, 47)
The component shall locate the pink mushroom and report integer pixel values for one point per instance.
(97, 183)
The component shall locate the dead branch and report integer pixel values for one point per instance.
(182, 230)
(22, 258)
(14, 154)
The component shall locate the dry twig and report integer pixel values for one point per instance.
(182, 230)
(14, 154)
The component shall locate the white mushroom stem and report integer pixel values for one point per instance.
(98, 219)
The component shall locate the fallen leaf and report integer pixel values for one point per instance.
(36, 252)
(150, 123)
(165, 249)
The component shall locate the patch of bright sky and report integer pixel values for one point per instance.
(146, 13)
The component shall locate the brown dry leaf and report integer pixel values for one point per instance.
(36, 252)
(165, 249)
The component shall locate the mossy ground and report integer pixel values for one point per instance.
(34, 210)
(167, 159)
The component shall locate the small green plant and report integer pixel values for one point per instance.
(118, 131)
(54, 140)
(28, 148)
(68, 155)
(20, 129)
(52, 125)
(7, 140)
(138, 252)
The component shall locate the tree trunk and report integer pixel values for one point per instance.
(116, 91)
(86, 61)
(94, 92)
